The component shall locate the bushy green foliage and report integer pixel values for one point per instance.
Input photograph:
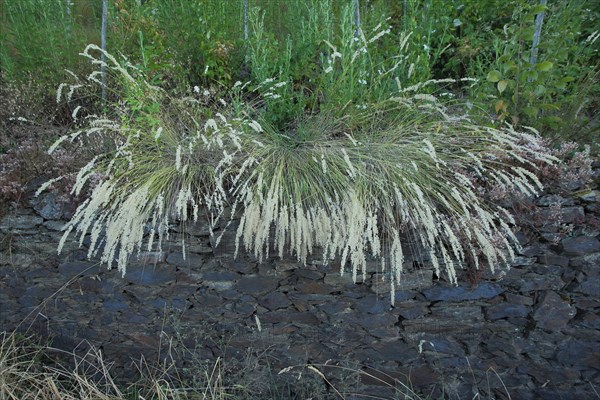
(188, 43)
(40, 38)
(534, 92)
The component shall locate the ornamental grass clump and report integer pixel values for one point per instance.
(353, 184)
(356, 192)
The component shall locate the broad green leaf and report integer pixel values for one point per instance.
(532, 75)
(538, 9)
(567, 79)
(502, 85)
(494, 76)
(550, 106)
(544, 66)
(526, 34)
(531, 111)
(540, 90)
(553, 121)
(500, 105)
(509, 66)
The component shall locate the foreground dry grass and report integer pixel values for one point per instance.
(29, 370)
(25, 373)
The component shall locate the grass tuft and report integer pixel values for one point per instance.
(353, 183)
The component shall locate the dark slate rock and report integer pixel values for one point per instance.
(114, 305)
(445, 346)
(579, 354)
(315, 287)
(159, 303)
(544, 372)
(199, 247)
(403, 295)
(464, 322)
(533, 282)
(551, 270)
(551, 237)
(339, 306)
(572, 215)
(73, 268)
(245, 308)
(48, 208)
(20, 222)
(178, 289)
(588, 264)
(585, 302)
(274, 301)
(523, 261)
(257, 284)
(395, 350)
(412, 310)
(207, 300)
(554, 259)
(544, 393)
(217, 276)
(336, 280)
(199, 228)
(373, 304)
(54, 225)
(456, 314)
(506, 310)
(589, 320)
(222, 286)
(150, 275)
(484, 290)
(590, 196)
(287, 265)
(522, 238)
(274, 317)
(530, 251)
(553, 199)
(241, 266)
(416, 280)
(191, 260)
(226, 246)
(553, 312)
(373, 321)
(590, 287)
(91, 284)
(513, 298)
(308, 274)
(580, 246)
(151, 257)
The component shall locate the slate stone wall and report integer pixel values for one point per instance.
(534, 328)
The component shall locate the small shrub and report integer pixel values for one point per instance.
(350, 184)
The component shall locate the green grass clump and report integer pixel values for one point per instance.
(353, 182)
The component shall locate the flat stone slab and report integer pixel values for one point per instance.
(150, 275)
(580, 246)
(553, 312)
(484, 290)
(20, 222)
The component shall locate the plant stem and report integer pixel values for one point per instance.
(539, 20)
(103, 45)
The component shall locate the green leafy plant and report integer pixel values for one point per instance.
(534, 92)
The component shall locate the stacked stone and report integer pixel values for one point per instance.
(532, 330)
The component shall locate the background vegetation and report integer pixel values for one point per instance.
(182, 44)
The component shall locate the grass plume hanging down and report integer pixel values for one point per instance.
(353, 185)
(358, 193)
